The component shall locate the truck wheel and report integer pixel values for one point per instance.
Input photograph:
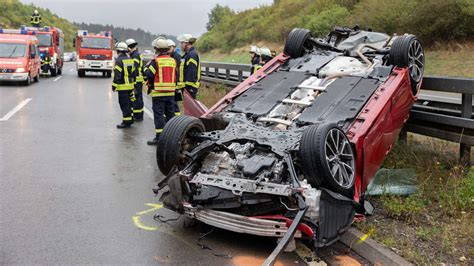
(407, 51)
(81, 73)
(327, 158)
(54, 71)
(296, 43)
(109, 74)
(36, 79)
(175, 139)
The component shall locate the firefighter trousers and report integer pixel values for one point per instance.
(163, 111)
(193, 91)
(138, 103)
(125, 101)
(178, 97)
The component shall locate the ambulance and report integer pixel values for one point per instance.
(19, 56)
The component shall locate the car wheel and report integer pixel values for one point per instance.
(327, 158)
(175, 140)
(296, 42)
(54, 71)
(27, 82)
(60, 71)
(407, 51)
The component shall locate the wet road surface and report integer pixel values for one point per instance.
(75, 190)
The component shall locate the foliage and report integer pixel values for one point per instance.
(430, 20)
(13, 14)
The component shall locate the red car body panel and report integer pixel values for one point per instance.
(372, 133)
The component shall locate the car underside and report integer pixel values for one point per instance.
(289, 152)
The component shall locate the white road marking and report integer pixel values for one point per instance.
(148, 112)
(16, 109)
(56, 79)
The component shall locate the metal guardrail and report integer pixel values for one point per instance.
(435, 116)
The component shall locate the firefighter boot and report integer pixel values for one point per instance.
(153, 142)
(124, 125)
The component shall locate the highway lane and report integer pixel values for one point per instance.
(74, 189)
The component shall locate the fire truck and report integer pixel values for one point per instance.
(51, 45)
(94, 53)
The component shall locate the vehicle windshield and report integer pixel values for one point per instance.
(45, 40)
(96, 43)
(12, 50)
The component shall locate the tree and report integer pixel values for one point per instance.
(217, 14)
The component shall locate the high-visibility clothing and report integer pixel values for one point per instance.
(124, 73)
(35, 19)
(161, 75)
(138, 61)
(191, 69)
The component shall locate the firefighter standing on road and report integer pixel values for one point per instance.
(138, 87)
(161, 77)
(177, 57)
(35, 19)
(123, 83)
(190, 69)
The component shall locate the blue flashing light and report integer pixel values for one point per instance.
(106, 34)
(1, 30)
(84, 33)
(46, 28)
(33, 33)
(24, 32)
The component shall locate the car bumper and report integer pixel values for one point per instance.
(13, 76)
(94, 65)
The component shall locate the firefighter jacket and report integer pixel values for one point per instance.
(124, 73)
(161, 76)
(177, 57)
(35, 19)
(190, 69)
(138, 63)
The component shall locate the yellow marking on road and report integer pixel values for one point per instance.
(153, 206)
(138, 223)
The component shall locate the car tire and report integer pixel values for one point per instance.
(323, 164)
(54, 71)
(175, 139)
(27, 82)
(60, 71)
(407, 51)
(296, 43)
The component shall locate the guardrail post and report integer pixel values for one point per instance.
(403, 136)
(241, 76)
(216, 72)
(464, 149)
(227, 74)
(207, 71)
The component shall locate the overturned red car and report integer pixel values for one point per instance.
(290, 151)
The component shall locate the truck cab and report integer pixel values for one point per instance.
(94, 53)
(51, 44)
(19, 56)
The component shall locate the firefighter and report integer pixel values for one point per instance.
(161, 77)
(35, 19)
(265, 57)
(190, 68)
(254, 58)
(138, 87)
(123, 83)
(178, 97)
(45, 63)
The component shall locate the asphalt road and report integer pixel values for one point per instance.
(76, 190)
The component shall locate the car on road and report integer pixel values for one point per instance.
(290, 151)
(19, 57)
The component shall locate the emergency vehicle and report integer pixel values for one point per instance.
(51, 44)
(19, 56)
(94, 53)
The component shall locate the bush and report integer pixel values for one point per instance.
(323, 22)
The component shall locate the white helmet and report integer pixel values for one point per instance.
(121, 47)
(153, 43)
(171, 42)
(253, 49)
(265, 51)
(36, 12)
(186, 38)
(130, 42)
(161, 43)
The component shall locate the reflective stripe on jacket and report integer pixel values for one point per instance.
(138, 60)
(124, 73)
(162, 74)
(191, 69)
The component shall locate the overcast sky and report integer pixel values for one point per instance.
(157, 16)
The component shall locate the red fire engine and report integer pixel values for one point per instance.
(94, 53)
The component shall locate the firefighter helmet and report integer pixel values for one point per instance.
(161, 43)
(186, 38)
(35, 12)
(121, 47)
(131, 43)
(171, 43)
(265, 51)
(253, 49)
